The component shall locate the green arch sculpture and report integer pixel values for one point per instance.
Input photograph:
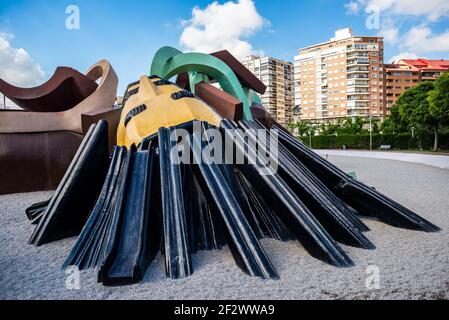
(169, 62)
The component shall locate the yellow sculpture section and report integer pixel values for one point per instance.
(155, 106)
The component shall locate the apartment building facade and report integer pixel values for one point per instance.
(6, 103)
(407, 73)
(277, 75)
(340, 78)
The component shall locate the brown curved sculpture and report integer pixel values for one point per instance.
(37, 147)
(226, 105)
(246, 77)
(64, 90)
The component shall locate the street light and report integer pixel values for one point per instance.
(310, 137)
(370, 131)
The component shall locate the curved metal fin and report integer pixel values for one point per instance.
(75, 196)
(323, 208)
(291, 209)
(364, 199)
(243, 243)
(178, 261)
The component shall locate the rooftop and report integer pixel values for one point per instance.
(425, 64)
(340, 35)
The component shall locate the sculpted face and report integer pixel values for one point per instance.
(153, 103)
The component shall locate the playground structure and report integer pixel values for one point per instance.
(38, 143)
(140, 202)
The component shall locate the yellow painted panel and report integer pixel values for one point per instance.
(161, 111)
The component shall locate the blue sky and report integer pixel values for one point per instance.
(128, 33)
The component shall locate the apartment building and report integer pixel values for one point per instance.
(277, 75)
(5, 103)
(340, 78)
(407, 73)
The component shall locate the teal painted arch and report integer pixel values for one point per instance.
(169, 62)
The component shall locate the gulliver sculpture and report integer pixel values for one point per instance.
(150, 198)
(38, 143)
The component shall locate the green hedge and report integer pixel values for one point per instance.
(397, 141)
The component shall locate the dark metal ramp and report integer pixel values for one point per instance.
(68, 209)
(153, 201)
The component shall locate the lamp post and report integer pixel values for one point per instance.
(4, 102)
(310, 137)
(370, 131)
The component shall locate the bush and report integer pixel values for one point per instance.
(400, 141)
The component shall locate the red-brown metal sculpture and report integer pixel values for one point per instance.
(64, 90)
(38, 144)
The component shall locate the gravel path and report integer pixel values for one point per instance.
(412, 265)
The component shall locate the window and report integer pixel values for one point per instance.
(374, 75)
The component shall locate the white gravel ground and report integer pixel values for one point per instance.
(413, 265)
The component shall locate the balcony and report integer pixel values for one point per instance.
(357, 55)
(358, 83)
(357, 105)
(357, 113)
(429, 77)
(353, 90)
(354, 62)
(358, 98)
(357, 70)
(356, 76)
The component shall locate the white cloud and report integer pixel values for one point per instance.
(16, 65)
(223, 26)
(431, 9)
(404, 55)
(390, 34)
(353, 7)
(421, 39)
(396, 14)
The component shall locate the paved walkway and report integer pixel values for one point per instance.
(438, 161)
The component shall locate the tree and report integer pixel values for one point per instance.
(303, 127)
(438, 100)
(330, 129)
(351, 126)
(394, 123)
(375, 125)
(414, 109)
